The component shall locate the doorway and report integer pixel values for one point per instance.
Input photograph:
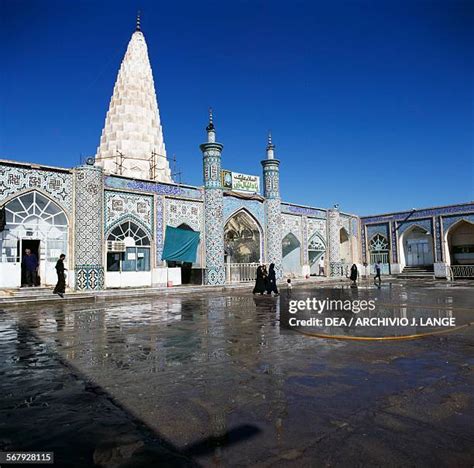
(34, 246)
(418, 252)
(417, 247)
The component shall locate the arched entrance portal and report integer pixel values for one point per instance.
(291, 255)
(242, 239)
(316, 249)
(33, 222)
(417, 247)
(460, 237)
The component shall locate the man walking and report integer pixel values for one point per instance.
(60, 288)
(377, 273)
(30, 267)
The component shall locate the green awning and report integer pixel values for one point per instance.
(180, 245)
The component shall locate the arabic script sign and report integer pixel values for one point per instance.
(240, 182)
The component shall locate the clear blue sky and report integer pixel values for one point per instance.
(370, 102)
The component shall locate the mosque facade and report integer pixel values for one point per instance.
(113, 217)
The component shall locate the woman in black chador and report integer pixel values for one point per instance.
(60, 288)
(259, 282)
(271, 280)
(354, 273)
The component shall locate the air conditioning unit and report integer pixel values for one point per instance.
(115, 246)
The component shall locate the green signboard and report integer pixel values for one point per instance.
(240, 182)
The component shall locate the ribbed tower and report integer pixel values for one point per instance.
(132, 141)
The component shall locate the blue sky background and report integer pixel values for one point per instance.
(370, 102)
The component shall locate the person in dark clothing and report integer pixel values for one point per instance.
(60, 288)
(354, 273)
(272, 286)
(265, 276)
(260, 286)
(30, 267)
(377, 273)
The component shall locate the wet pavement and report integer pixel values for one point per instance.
(210, 379)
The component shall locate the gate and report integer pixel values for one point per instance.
(382, 259)
(241, 272)
(379, 250)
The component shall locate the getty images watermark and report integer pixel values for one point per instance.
(329, 305)
(344, 312)
(320, 306)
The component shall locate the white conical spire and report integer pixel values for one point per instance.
(132, 141)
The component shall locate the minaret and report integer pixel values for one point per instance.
(213, 207)
(132, 141)
(271, 192)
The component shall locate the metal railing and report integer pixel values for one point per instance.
(379, 257)
(339, 269)
(241, 272)
(461, 271)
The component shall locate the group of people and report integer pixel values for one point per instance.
(30, 265)
(355, 273)
(265, 281)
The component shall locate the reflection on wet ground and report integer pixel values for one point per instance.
(371, 312)
(209, 379)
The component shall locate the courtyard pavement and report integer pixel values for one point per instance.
(210, 379)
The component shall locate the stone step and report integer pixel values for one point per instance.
(421, 275)
(417, 270)
(426, 267)
(29, 294)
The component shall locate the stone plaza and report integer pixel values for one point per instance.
(211, 379)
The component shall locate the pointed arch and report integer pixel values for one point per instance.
(414, 226)
(185, 226)
(457, 223)
(132, 218)
(460, 245)
(316, 251)
(243, 237)
(316, 242)
(34, 208)
(291, 255)
(248, 213)
(379, 242)
(416, 246)
(41, 192)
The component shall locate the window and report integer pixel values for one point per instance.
(316, 249)
(129, 231)
(378, 243)
(33, 216)
(137, 251)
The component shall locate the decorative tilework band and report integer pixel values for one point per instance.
(88, 248)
